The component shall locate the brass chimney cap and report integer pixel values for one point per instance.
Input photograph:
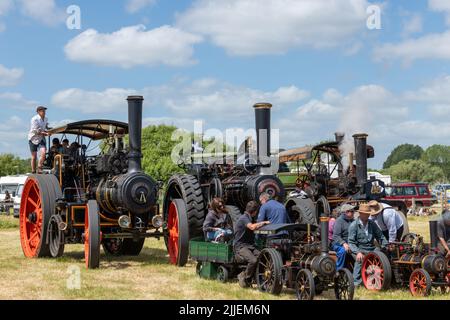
(360, 135)
(262, 105)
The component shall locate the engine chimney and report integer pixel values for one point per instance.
(361, 157)
(433, 233)
(262, 121)
(134, 133)
(339, 138)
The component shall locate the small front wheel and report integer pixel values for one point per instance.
(305, 287)
(420, 283)
(222, 274)
(344, 287)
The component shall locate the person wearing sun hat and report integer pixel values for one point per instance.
(388, 220)
(362, 234)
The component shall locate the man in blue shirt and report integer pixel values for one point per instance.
(272, 210)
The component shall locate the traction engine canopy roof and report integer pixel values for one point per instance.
(93, 129)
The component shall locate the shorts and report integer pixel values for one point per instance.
(35, 147)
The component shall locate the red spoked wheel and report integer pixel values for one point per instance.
(36, 208)
(177, 233)
(420, 283)
(376, 271)
(92, 235)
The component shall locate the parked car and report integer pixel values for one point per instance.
(440, 188)
(409, 191)
(14, 185)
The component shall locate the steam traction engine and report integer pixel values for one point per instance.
(187, 195)
(102, 199)
(301, 261)
(409, 263)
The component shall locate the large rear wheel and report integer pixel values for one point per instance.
(37, 206)
(376, 271)
(302, 211)
(92, 235)
(178, 233)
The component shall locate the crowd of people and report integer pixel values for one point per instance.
(351, 237)
(219, 227)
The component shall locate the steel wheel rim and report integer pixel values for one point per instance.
(373, 273)
(266, 277)
(418, 283)
(220, 274)
(303, 286)
(342, 285)
(172, 226)
(30, 231)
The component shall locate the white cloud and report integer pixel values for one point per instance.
(203, 98)
(15, 100)
(133, 6)
(440, 6)
(44, 11)
(436, 92)
(134, 46)
(431, 46)
(412, 23)
(5, 6)
(10, 77)
(250, 27)
(110, 100)
(439, 111)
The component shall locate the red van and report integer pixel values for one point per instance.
(409, 191)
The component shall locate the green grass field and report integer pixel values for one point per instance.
(148, 276)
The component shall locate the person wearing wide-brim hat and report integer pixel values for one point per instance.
(388, 220)
(36, 138)
(362, 234)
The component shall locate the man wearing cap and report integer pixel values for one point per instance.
(36, 138)
(361, 236)
(340, 234)
(388, 220)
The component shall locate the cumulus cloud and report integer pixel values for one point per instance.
(430, 46)
(246, 27)
(10, 77)
(15, 100)
(203, 98)
(134, 46)
(412, 23)
(440, 6)
(44, 11)
(109, 100)
(133, 6)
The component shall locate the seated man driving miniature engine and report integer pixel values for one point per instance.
(244, 242)
(340, 234)
(362, 234)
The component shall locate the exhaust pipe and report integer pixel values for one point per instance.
(134, 133)
(262, 121)
(361, 158)
(433, 234)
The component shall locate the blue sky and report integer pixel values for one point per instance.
(316, 61)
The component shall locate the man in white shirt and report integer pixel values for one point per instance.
(388, 220)
(36, 138)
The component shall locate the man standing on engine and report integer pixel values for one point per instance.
(36, 138)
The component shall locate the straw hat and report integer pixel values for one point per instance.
(376, 207)
(365, 208)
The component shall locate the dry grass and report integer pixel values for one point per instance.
(148, 276)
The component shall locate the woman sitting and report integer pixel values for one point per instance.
(217, 225)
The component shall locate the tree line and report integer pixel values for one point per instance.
(406, 162)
